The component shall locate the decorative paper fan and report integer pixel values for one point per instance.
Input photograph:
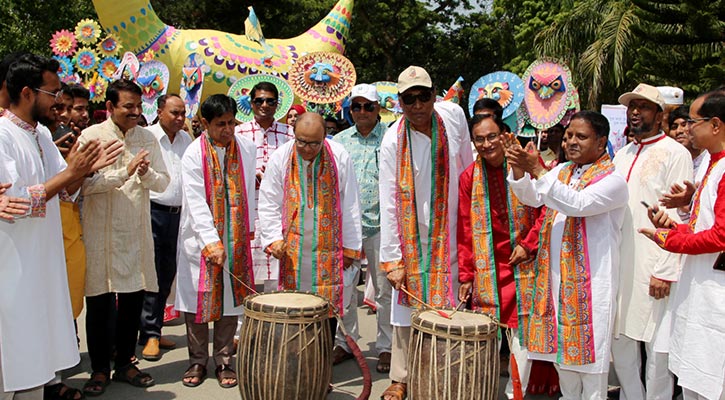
(154, 81)
(129, 67)
(524, 128)
(192, 83)
(547, 87)
(63, 43)
(65, 67)
(97, 87)
(503, 86)
(86, 60)
(388, 94)
(241, 88)
(107, 67)
(88, 31)
(109, 47)
(322, 77)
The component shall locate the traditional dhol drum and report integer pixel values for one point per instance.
(453, 359)
(285, 347)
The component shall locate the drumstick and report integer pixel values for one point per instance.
(441, 313)
(459, 305)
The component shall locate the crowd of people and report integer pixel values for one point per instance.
(586, 257)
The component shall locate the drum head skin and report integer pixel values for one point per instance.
(464, 325)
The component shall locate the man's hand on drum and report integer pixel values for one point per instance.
(464, 291)
(277, 249)
(396, 278)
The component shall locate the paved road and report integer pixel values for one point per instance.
(168, 371)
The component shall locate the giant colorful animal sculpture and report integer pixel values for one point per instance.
(229, 56)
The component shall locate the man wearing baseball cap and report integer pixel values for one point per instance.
(418, 208)
(651, 164)
(362, 141)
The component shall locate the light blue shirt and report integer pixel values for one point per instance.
(364, 152)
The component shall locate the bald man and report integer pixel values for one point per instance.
(309, 213)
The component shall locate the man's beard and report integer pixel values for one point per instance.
(38, 116)
(642, 129)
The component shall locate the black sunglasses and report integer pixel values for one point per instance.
(261, 100)
(356, 107)
(410, 99)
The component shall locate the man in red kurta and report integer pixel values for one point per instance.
(496, 240)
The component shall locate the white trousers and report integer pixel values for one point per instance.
(522, 359)
(30, 394)
(581, 386)
(383, 294)
(349, 303)
(628, 364)
(688, 394)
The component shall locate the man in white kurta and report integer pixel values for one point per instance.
(601, 204)
(267, 135)
(199, 233)
(415, 81)
(651, 164)
(697, 309)
(37, 337)
(279, 230)
(117, 234)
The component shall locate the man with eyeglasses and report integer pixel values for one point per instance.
(38, 337)
(496, 241)
(119, 242)
(268, 135)
(165, 217)
(698, 328)
(309, 213)
(651, 164)
(362, 141)
(429, 137)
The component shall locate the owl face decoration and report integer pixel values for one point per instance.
(193, 77)
(547, 93)
(498, 91)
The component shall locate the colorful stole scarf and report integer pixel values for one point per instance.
(485, 281)
(573, 338)
(427, 273)
(318, 190)
(226, 195)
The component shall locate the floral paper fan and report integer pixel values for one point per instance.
(503, 86)
(388, 94)
(239, 91)
(547, 88)
(86, 60)
(154, 81)
(109, 47)
(63, 43)
(107, 67)
(88, 31)
(322, 77)
(97, 87)
(192, 83)
(65, 66)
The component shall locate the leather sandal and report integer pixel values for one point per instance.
(61, 391)
(396, 391)
(383, 365)
(96, 386)
(195, 371)
(223, 372)
(141, 379)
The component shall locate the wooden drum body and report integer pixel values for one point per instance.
(453, 359)
(285, 347)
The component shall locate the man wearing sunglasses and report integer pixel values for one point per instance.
(421, 158)
(362, 141)
(267, 134)
(651, 164)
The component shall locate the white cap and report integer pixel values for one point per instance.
(645, 92)
(413, 76)
(366, 91)
(672, 95)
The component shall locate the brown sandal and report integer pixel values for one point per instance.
(197, 371)
(383, 365)
(223, 372)
(397, 391)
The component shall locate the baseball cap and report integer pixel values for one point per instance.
(643, 91)
(413, 76)
(366, 91)
(672, 95)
